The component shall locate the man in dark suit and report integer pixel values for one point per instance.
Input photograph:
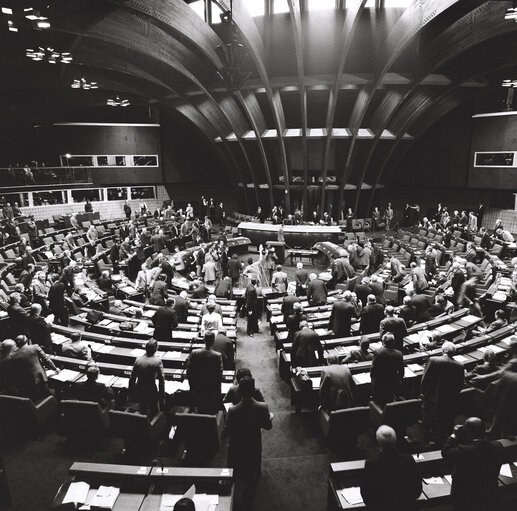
(200, 290)
(301, 278)
(288, 303)
(434, 310)
(164, 321)
(181, 307)
(244, 424)
(17, 316)
(407, 312)
(234, 394)
(307, 349)
(316, 291)
(27, 367)
(371, 316)
(341, 315)
(420, 302)
(92, 390)
(293, 321)
(205, 374)
(377, 290)
(234, 269)
(387, 371)
(397, 326)
(362, 290)
(441, 384)
(224, 288)
(337, 387)
(476, 463)
(251, 301)
(57, 304)
(142, 382)
(390, 480)
(224, 346)
(159, 291)
(504, 394)
(39, 329)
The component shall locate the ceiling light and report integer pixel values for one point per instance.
(43, 24)
(7, 10)
(49, 54)
(509, 83)
(82, 83)
(511, 14)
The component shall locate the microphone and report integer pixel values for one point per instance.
(149, 486)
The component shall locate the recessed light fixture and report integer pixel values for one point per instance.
(49, 55)
(511, 14)
(509, 83)
(7, 10)
(84, 84)
(118, 102)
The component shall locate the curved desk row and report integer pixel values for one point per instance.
(295, 235)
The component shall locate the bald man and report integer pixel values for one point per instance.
(390, 479)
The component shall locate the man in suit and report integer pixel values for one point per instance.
(92, 390)
(27, 368)
(504, 394)
(390, 479)
(39, 329)
(307, 349)
(288, 302)
(181, 307)
(408, 311)
(420, 283)
(75, 348)
(387, 371)
(142, 382)
(234, 394)
(244, 424)
(205, 374)
(234, 269)
(57, 304)
(301, 278)
(359, 354)
(434, 310)
(224, 288)
(200, 290)
(224, 346)
(337, 387)
(251, 301)
(441, 384)
(341, 315)
(316, 291)
(17, 316)
(371, 316)
(420, 302)
(165, 321)
(377, 289)
(293, 321)
(211, 300)
(159, 290)
(476, 463)
(395, 325)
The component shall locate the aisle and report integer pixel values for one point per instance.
(294, 458)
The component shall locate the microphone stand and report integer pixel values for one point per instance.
(149, 486)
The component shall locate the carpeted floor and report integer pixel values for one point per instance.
(294, 464)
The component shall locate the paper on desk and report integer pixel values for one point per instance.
(433, 480)
(316, 382)
(225, 387)
(408, 373)
(448, 478)
(352, 495)
(105, 497)
(58, 338)
(77, 493)
(137, 352)
(105, 348)
(120, 383)
(506, 470)
(172, 386)
(460, 358)
(416, 368)
(172, 354)
(66, 375)
(361, 378)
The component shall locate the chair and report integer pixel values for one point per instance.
(202, 434)
(342, 427)
(399, 414)
(137, 430)
(83, 420)
(24, 414)
(472, 403)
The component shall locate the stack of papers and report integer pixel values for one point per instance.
(77, 493)
(105, 497)
(58, 338)
(352, 495)
(66, 375)
(433, 480)
(416, 368)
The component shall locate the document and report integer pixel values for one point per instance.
(408, 373)
(416, 368)
(352, 495)
(506, 470)
(66, 375)
(137, 352)
(448, 478)
(77, 493)
(433, 480)
(105, 498)
(362, 378)
(316, 382)
(172, 354)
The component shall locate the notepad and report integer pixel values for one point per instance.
(66, 375)
(105, 497)
(77, 493)
(433, 480)
(362, 378)
(415, 368)
(506, 470)
(352, 495)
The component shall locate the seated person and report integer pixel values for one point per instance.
(24, 301)
(75, 348)
(435, 340)
(488, 366)
(224, 289)
(104, 282)
(234, 394)
(92, 390)
(359, 354)
(499, 322)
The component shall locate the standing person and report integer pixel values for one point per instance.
(371, 316)
(244, 424)
(395, 325)
(142, 382)
(165, 321)
(127, 210)
(337, 387)
(307, 349)
(88, 208)
(158, 294)
(316, 291)
(388, 216)
(181, 303)
(279, 280)
(205, 374)
(441, 384)
(420, 283)
(387, 371)
(17, 316)
(343, 311)
(301, 278)
(252, 307)
(234, 269)
(39, 329)
(390, 480)
(476, 463)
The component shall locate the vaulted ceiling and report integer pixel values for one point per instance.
(335, 96)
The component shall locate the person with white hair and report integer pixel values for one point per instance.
(390, 479)
(301, 278)
(316, 291)
(441, 385)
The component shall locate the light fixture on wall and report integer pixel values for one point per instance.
(118, 102)
(48, 54)
(82, 83)
(511, 14)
